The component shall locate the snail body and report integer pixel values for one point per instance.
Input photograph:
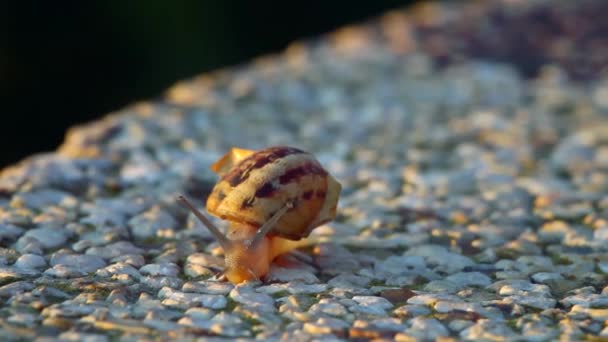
(272, 199)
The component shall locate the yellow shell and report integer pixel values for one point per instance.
(255, 185)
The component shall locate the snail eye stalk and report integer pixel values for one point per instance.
(223, 240)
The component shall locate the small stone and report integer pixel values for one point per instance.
(29, 245)
(206, 286)
(600, 315)
(80, 262)
(547, 277)
(211, 301)
(427, 328)
(438, 255)
(601, 235)
(431, 298)
(119, 268)
(41, 199)
(149, 223)
(388, 324)
(49, 238)
(166, 269)
(11, 289)
(371, 305)
(222, 324)
(531, 300)
(283, 274)
(394, 265)
(329, 307)
(158, 282)
(115, 249)
(246, 296)
(161, 325)
(81, 246)
(10, 232)
(516, 286)
(586, 300)
(63, 271)
(443, 286)
(488, 330)
(470, 279)
(397, 295)
(459, 325)
(23, 319)
(135, 260)
(186, 299)
(350, 282)
(30, 261)
(84, 337)
(409, 311)
(325, 325)
(200, 313)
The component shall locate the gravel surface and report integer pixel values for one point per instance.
(474, 205)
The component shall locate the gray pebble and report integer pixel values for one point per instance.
(49, 238)
(149, 223)
(30, 261)
(10, 232)
(371, 305)
(81, 262)
(248, 297)
(115, 249)
(15, 287)
(166, 269)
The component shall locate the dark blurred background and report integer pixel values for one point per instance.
(64, 63)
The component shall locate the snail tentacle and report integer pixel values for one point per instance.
(223, 240)
(268, 225)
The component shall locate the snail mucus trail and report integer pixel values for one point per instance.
(273, 199)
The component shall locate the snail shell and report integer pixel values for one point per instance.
(273, 198)
(255, 185)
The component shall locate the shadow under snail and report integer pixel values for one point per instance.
(272, 198)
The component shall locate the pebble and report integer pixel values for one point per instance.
(371, 305)
(427, 328)
(10, 232)
(150, 223)
(84, 337)
(283, 274)
(114, 250)
(210, 287)
(488, 330)
(470, 279)
(166, 269)
(47, 237)
(40, 199)
(15, 287)
(117, 269)
(248, 297)
(328, 307)
(30, 261)
(411, 310)
(81, 262)
(446, 261)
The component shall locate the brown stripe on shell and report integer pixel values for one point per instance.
(265, 190)
(300, 171)
(307, 195)
(242, 170)
(320, 194)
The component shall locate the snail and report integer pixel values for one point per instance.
(272, 199)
